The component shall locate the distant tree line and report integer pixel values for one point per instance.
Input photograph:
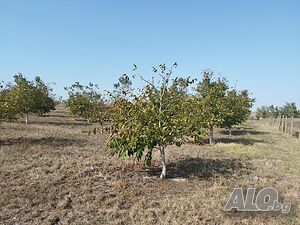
(288, 109)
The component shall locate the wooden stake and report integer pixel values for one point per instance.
(292, 125)
(283, 124)
(286, 123)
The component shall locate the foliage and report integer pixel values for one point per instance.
(30, 96)
(122, 89)
(44, 101)
(24, 97)
(164, 113)
(152, 119)
(290, 109)
(7, 109)
(87, 102)
(217, 106)
(211, 101)
(238, 105)
(264, 112)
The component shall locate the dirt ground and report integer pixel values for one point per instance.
(53, 172)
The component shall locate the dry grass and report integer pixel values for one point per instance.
(295, 132)
(53, 172)
(296, 127)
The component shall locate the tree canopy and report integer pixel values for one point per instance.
(164, 113)
(87, 102)
(24, 96)
(153, 119)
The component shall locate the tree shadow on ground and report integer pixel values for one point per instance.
(55, 115)
(243, 132)
(243, 141)
(59, 123)
(45, 141)
(205, 169)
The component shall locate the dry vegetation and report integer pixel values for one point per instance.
(292, 126)
(296, 130)
(53, 172)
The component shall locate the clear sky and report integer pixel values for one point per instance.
(255, 44)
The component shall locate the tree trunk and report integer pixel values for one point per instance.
(26, 117)
(211, 137)
(163, 163)
(230, 131)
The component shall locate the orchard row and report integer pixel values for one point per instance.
(166, 110)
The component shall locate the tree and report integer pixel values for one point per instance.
(262, 112)
(87, 102)
(273, 111)
(30, 96)
(151, 119)
(211, 102)
(122, 89)
(7, 109)
(289, 110)
(23, 94)
(44, 101)
(237, 108)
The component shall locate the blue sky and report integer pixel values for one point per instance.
(255, 44)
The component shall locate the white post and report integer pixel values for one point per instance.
(163, 163)
(26, 117)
